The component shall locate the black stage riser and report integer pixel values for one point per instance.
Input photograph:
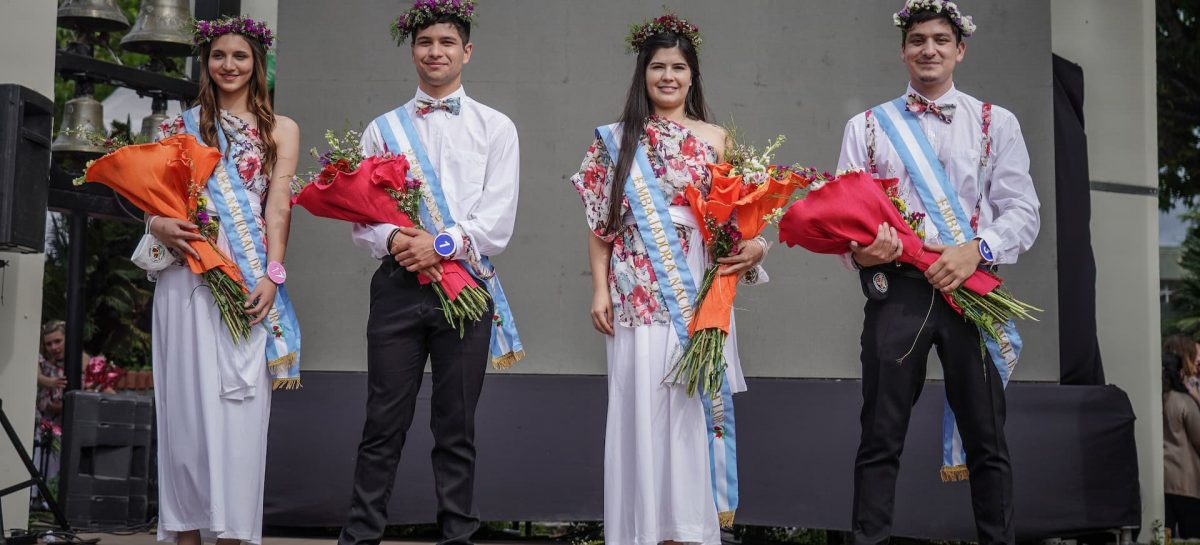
(541, 442)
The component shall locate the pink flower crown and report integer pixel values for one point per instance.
(423, 12)
(206, 31)
(963, 22)
(664, 24)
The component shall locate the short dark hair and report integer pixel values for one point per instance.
(929, 15)
(463, 27)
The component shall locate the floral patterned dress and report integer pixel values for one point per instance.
(48, 396)
(656, 439)
(678, 158)
(247, 149)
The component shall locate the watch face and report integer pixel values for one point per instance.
(985, 250)
(444, 245)
(276, 272)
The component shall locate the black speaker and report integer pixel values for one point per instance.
(106, 458)
(26, 118)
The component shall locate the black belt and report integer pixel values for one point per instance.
(896, 268)
(874, 280)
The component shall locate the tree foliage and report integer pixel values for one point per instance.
(1185, 301)
(117, 296)
(1178, 48)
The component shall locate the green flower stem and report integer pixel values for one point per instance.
(230, 299)
(991, 311)
(471, 304)
(702, 367)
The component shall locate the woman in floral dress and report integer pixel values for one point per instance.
(212, 393)
(657, 484)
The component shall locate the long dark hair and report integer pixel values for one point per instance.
(638, 108)
(1172, 373)
(259, 103)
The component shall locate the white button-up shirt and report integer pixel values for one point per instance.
(476, 156)
(1008, 209)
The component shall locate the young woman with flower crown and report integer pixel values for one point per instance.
(660, 455)
(213, 392)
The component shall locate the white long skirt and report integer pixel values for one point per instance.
(213, 402)
(657, 484)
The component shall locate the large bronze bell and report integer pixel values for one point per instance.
(91, 16)
(152, 122)
(80, 114)
(161, 29)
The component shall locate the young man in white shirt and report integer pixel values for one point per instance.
(473, 153)
(986, 166)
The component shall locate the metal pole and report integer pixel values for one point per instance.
(73, 360)
(77, 252)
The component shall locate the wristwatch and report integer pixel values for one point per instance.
(985, 251)
(445, 244)
(276, 272)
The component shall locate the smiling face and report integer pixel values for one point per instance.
(54, 345)
(231, 63)
(668, 79)
(438, 53)
(930, 51)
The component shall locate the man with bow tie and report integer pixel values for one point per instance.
(963, 163)
(466, 157)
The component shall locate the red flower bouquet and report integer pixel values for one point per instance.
(851, 207)
(379, 189)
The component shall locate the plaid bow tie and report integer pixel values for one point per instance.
(425, 106)
(918, 104)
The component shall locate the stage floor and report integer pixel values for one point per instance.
(148, 539)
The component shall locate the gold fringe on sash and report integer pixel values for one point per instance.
(281, 363)
(506, 361)
(952, 474)
(726, 519)
(286, 384)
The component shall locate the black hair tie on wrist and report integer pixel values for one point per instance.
(392, 237)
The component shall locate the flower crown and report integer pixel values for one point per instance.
(207, 31)
(424, 12)
(664, 24)
(963, 22)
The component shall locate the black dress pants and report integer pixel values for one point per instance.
(898, 333)
(1183, 516)
(406, 327)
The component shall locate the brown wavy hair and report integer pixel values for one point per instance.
(259, 103)
(1184, 347)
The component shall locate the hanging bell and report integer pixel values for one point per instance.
(161, 29)
(152, 122)
(91, 16)
(82, 114)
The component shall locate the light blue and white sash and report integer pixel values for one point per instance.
(247, 244)
(400, 137)
(945, 210)
(652, 212)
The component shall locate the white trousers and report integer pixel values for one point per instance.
(212, 425)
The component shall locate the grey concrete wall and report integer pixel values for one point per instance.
(558, 69)
(26, 58)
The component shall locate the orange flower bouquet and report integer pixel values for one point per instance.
(745, 190)
(167, 178)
